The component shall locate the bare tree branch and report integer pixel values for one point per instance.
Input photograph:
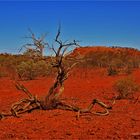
(53, 97)
(38, 43)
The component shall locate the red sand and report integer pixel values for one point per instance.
(123, 122)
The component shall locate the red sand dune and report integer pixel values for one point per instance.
(123, 122)
(89, 49)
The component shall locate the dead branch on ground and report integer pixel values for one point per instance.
(53, 98)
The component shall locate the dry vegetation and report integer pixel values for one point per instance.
(98, 71)
(126, 87)
(59, 124)
(59, 62)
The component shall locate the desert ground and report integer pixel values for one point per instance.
(83, 85)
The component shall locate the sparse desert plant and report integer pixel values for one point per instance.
(26, 70)
(116, 56)
(126, 87)
(111, 71)
(29, 70)
(42, 68)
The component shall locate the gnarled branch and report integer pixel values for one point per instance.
(53, 97)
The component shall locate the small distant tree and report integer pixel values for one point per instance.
(38, 45)
(53, 98)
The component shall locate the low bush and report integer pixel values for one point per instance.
(29, 70)
(112, 71)
(126, 87)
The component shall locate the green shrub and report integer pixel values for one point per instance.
(29, 70)
(26, 70)
(2, 72)
(126, 87)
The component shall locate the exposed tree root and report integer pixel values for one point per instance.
(19, 108)
(81, 111)
(32, 103)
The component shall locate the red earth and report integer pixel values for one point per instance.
(123, 122)
(102, 49)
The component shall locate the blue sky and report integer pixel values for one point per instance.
(104, 23)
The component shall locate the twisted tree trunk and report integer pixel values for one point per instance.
(52, 99)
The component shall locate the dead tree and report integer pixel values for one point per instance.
(53, 98)
(38, 44)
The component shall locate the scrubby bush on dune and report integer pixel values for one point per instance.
(126, 87)
(112, 71)
(124, 59)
